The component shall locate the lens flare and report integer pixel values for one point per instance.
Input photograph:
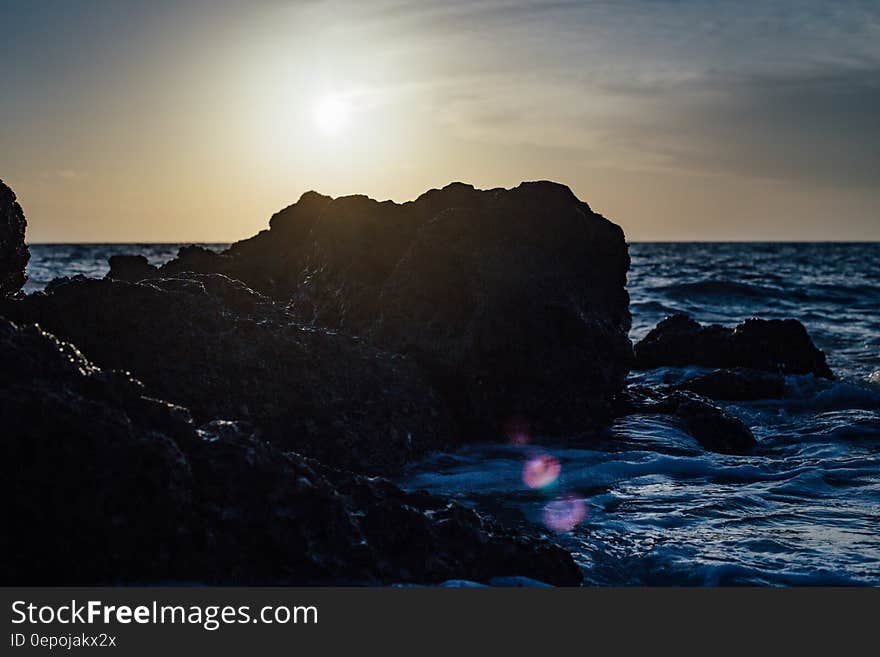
(564, 514)
(540, 471)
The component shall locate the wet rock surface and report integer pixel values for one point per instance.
(714, 428)
(737, 384)
(513, 301)
(782, 346)
(224, 351)
(14, 253)
(111, 486)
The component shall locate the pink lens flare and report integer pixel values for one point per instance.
(540, 471)
(564, 514)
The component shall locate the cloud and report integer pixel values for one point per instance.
(820, 128)
(781, 90)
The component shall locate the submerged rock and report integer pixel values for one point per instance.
(14, 254)
(513, 301)
(776, 345)
(738, 384)
(222, 350)
(714, 428)
(110, 486)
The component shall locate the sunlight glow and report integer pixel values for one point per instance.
(331, 114)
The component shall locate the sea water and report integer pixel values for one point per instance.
(647, 506)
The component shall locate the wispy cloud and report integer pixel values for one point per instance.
(778, 90)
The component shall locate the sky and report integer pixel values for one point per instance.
(174, 121)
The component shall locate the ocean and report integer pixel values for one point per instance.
(646, 505)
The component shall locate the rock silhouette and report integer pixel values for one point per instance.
(782, 346)
(516, 305)
(132, 268)
(224, 351)
(111, 486)
(14, 254)
(513, 301)
(350, 338)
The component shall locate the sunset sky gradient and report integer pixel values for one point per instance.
(678, 119)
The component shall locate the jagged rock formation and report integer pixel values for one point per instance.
(215, 346)
(111, 486)
(14, 253)
(513, 301)
(782, 346)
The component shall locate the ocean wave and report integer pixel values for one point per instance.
(809, 400)
(764, 288)
(715, 288)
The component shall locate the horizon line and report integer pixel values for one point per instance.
(694, 241)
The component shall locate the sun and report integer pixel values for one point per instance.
(331, 114)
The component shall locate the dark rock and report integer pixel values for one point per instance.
(777, 345)
(132, 268)
(219, 348)
(109, 486)
(513, 301)
(14, 254)
(285, 519)
(196, 259)
(714, 428)
(100, 490)
(517, 306)
(738, 384)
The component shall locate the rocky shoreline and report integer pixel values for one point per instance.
(223, 418)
